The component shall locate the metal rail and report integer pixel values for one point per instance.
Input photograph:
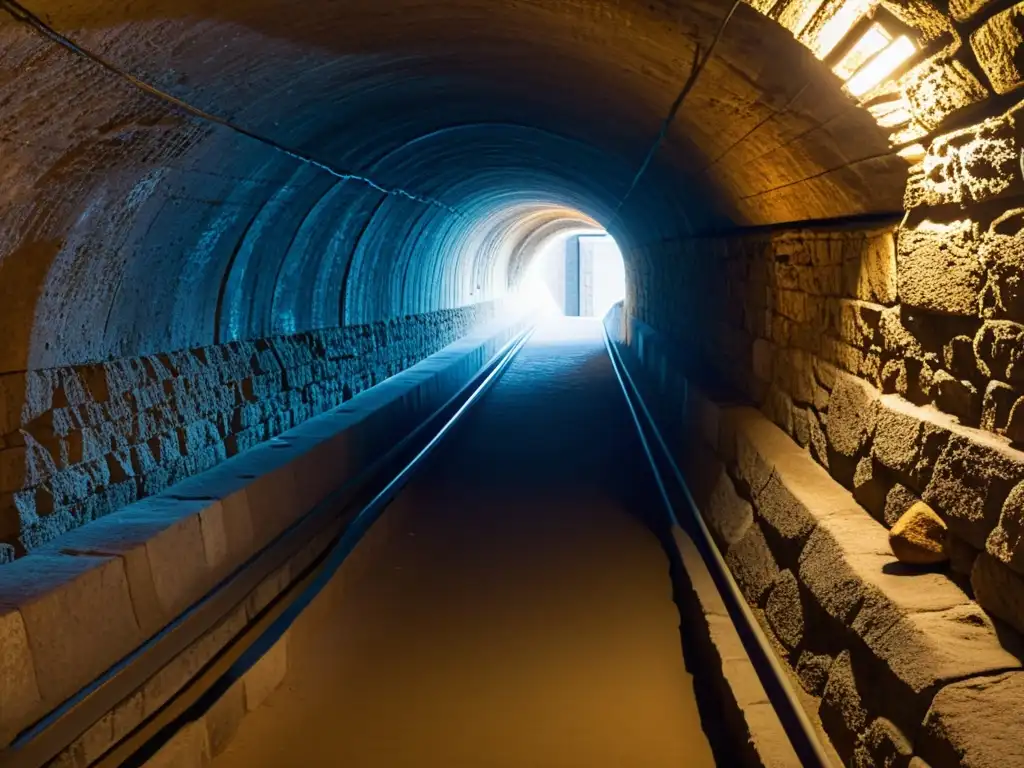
(773, 677)
(35, 747)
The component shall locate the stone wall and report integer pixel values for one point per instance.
(77, 443)
(900, 397)
(900, 664)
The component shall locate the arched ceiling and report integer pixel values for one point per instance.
(132, 227)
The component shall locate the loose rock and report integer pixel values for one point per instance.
(919, 536)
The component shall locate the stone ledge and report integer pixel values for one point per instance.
(901, 635)
(74, 608)
(727, 667)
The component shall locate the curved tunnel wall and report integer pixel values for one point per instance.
(395, 164)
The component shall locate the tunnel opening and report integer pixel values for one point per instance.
(258, 215)
(575, 274)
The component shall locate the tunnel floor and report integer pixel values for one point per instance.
(519, 612)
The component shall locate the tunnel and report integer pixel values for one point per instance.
(251, 253)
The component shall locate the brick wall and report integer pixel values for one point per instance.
(80, 442)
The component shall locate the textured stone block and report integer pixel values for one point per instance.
(999, 47)
(970, 165)
(161, 543)
(852, 413)
(958, 397)
(786, 518)
(842, 711)
(20, 703)
(999, 346)
(78, 617)
(1006, 542)
(1002, 254)
(909, 440)
(939, 269)
(882, 744)
(975, 723)
(971, 480)
(752, 564)
(784, 611)
(727, 514)
(999, 590)
(937, 88)
(997, 404)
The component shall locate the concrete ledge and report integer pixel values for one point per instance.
(74, 608)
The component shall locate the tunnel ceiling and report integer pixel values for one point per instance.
(132, 227)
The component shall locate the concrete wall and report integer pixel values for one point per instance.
(79, 442)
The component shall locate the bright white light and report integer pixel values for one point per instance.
(835, 29)
(545, 278)
(912, 154)
(601, 265)
(873, 41)
(889, 114)
(881, 66)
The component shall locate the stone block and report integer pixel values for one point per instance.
(870, 487)
(778, 406)
(784, 611)
(787, 521)
(962, 10)
(961, 555)
(1002, 255)
(928, 648)
(882, 744)
(727, 514)
(975, 723)
(78, 617)
(842, 711)
(971, 480)
(1015, 424)
(974, 164)
(1006, 542)
(939, 269)
(897, 501)
(272, 500)
(998, 590)
(264, 677)
(852, 413)
(997, 405)
(908, 440)
(812, 671)
(877, 274)
(817, 439)
(20, 703)
(160, 541)
(999, 347)
(752, 564)
(998, 45)
(960, 398)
